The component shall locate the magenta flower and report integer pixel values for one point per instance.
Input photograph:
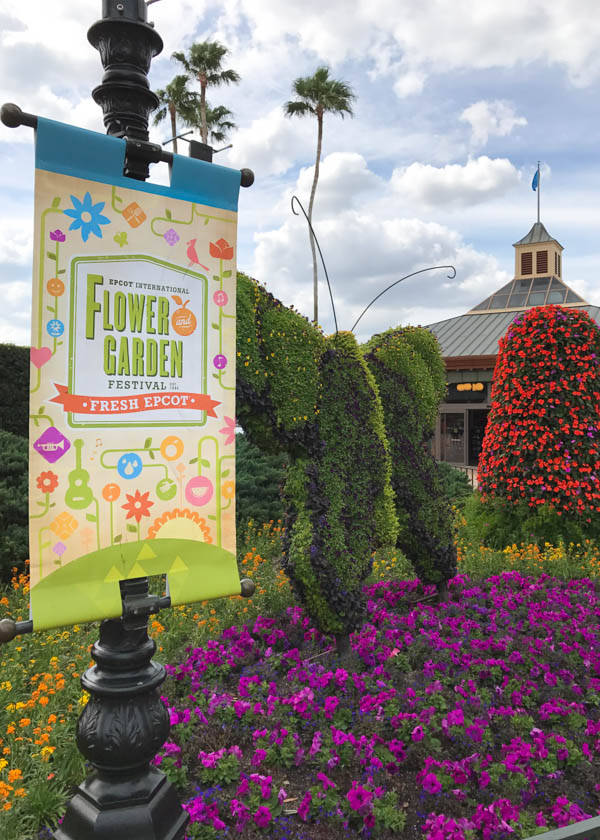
(304, 806)
(262, 817)
(325, 781)
(358, 797)
(258, 758)
(57, 236)
(431, 783)
(418, 733)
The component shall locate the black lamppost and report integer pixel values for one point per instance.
(125, 722)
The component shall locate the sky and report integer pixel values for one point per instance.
(456, 102)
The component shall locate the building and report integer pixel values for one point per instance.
(469, 344)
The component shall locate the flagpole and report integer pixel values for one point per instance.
(538, 190)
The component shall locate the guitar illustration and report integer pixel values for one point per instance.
(79, 494)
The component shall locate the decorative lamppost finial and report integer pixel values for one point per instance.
(127, 43)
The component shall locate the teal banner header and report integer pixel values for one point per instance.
(68, 150)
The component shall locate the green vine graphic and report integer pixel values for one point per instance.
(220, 475)
(195, 213)
(52, 255)
(222, 315)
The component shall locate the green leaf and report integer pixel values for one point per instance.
(206, 221)
(168, 214)
(50, 309)
(227, 273)
(50, 255)
(61, 271)
(225, 474)
(118, 538)
(131, 528)
(215, 326)
(216, 277)
(56, 201)
(215, 375)
(204, 462)
(151, 454)
(192, 460)
(42, 504)
(42, 409)
(147, 443)
(91, 517)
(210, 516)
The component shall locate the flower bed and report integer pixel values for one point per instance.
(475, 718)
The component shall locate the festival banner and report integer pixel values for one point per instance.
(132, 407)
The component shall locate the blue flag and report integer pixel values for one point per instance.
(536, 178)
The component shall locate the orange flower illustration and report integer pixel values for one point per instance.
(111, 492)
(221, 249)
(138, 505)
(180, 524)
(228, 489)
(64, 525)
(47, 481)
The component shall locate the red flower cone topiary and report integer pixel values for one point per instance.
(542, 441)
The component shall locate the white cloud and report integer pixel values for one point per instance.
(367, 245)
(478, 180)
(433, 37)
(410, 83)
(495, 118)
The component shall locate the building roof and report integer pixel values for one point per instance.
(537, 234)
(478, 334)
(525, 292)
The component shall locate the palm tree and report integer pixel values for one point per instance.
(175, 99)
(203, 62)
(218, 123)
(319, 95)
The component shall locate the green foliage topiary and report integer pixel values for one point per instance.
(14, 482)
(318, 400)
(409, 371)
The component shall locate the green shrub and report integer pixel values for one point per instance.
(455, 484)
(496, 523)
(259, 479)
(14, 389)
(14, 482)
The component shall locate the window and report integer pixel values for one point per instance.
(557, 261)
(527, 263)
(541, 262)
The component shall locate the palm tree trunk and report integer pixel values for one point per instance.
(173, 115)
(203, 126)
(310, 210)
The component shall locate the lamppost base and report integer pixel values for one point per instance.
(140, 808)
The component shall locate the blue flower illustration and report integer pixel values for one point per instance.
(87, 216)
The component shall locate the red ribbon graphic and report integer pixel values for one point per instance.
(79, 404)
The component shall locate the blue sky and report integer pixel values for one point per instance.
(456, 103)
